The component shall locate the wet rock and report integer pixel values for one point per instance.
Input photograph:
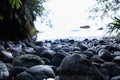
(46, 61)
(6, 56)
(48, 54)
(2, 47)
(39, 72)
(40, 50)
(82, 46)
(27, 60)
(71, 41)
(97, 59)
(115, 78)
(105, 54)
(4, 74)
(89, 54)
(116, 53)
(117, 60)
(92, 50)
(57, 59)
(112, 68)
(14, 71)
(76, 49)
(75, 67)
(28, 50)
(13, 47)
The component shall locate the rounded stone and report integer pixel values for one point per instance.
(38, 72)
(27, 60)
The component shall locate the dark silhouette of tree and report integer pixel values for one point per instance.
(17, 18)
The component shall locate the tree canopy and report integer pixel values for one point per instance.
(109, 9)
(17, 18)
(102, 8)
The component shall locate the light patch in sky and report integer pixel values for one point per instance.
(69, 12)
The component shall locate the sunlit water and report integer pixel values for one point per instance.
(72, 33)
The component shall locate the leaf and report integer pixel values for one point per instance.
(15, 3)
(1, 18)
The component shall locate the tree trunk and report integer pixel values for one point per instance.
(17, 24)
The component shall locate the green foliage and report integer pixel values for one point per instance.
(1, 18)
(105, 8)
(37, 8)
(109, 9)
(15, 3)
(114, 26)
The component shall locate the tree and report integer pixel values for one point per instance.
(17, 18)
(108, 8)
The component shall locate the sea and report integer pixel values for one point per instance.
(76, 33)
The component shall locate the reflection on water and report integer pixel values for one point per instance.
(77, 34)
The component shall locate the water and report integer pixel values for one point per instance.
(71, 33)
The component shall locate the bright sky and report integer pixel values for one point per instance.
(69, 13)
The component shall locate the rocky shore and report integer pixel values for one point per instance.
(62, 59)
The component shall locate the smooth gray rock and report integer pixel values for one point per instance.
(116, 78)
(77, 67)
(27, 60)
(38, 72)
(4, 74)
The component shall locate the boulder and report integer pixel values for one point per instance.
(38, 72)
(77, 67)
(4, 74)
(27, 60)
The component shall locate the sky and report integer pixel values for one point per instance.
(68, 14)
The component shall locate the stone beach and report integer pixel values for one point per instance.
(62, 59)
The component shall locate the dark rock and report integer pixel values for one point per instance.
(112, 68)
(105, 54)
(101, 28)
(57, 59)
(76, 49)
(82, 46)
(13, 47)
(97, 59)
(27, 60)
(29, 50)
(14, 71)
(4, 74)
(40, 50)
(46, 60)
(85, 27)
(75, 67)
(48, 54)
(92, 50)
(2, 47)
(115, 78)
(116, 53)
(117, 60)
(71, 41)
(89, 54)
(6, 56)
(39, 72)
